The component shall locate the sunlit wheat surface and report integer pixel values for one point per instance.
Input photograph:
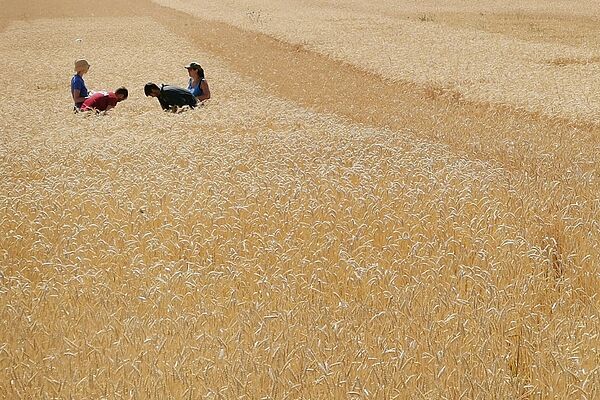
(433, 242)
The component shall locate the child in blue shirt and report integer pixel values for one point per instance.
(78, 89)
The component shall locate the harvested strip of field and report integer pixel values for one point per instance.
(255, 249)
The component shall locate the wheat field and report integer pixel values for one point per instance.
(380, 201)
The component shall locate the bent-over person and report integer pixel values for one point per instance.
(104, 101)
(170, 97)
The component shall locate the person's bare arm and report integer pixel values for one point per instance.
(77, 96)
(205, 91)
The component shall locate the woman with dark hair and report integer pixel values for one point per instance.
(197, 84)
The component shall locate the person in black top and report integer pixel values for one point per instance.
(170, 97)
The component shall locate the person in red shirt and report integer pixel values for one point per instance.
(104, 101)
